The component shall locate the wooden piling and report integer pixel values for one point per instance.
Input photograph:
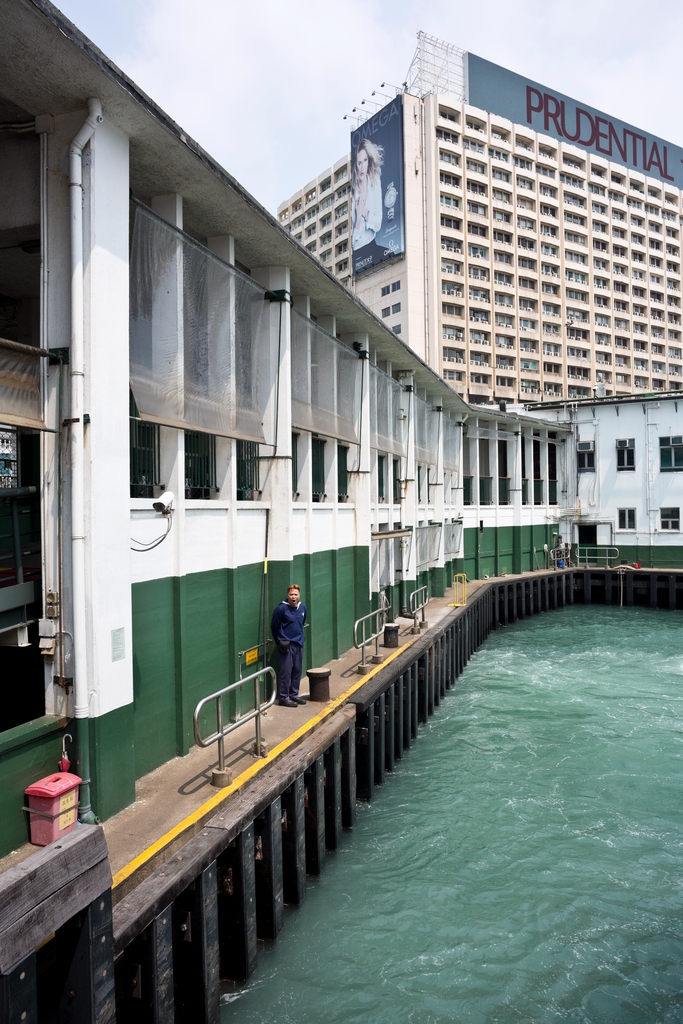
(333, 795)
(390, 727)
(236, 883)
(314, 815)
(348, 777)
(268, 871)
(196, 947)
(144, 975)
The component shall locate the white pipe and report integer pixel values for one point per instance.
(76, 369)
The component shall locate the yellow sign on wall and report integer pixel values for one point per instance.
(251, 657)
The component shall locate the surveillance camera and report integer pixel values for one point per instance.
(164, 504)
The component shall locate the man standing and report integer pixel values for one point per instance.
(287, 627)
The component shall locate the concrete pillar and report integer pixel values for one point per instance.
(107, 519)
(439, 506)
(276, 476)
(360, 479)
(172, 442)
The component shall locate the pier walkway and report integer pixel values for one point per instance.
(173, 801)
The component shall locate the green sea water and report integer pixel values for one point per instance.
(524, 862)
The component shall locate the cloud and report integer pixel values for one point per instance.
(263, 85)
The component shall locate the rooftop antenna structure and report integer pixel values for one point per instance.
(436, 66)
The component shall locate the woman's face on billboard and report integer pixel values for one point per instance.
(361, 164)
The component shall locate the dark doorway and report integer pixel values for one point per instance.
(588, 534)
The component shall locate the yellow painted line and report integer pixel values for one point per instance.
(220, 797)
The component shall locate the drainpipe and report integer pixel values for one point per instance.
(81, 689)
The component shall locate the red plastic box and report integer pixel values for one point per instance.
(53, 807)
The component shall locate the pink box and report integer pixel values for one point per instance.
(53, 807)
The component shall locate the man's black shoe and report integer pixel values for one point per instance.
(288, 704)
(299, 700)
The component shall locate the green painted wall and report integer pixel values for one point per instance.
(509, 549)
(27, 753)
(668, 556)
(187, 633)
(112, 764)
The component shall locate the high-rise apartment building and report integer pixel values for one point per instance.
(534, 267)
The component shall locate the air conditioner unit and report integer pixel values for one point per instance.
(677, 440)
(585, 446)
(624, 442)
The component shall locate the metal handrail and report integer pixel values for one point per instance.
(380, 614)
(591, 554)
(561, 553)
(224, 730)
(415, 608)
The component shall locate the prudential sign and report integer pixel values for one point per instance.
(377, 217)
(503, 92)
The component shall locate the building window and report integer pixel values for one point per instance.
(342, 472)
(396, 308)
(385, 289)
(144, 455)
(200, 464)
(318, 460)
(627, 518)
(248, 483)
(381, 461)
(586, 462)
(671, 454)
(671, 518)
(386, 311)
(396, 286)
(626, 455)
(396, 329)
(396, 495)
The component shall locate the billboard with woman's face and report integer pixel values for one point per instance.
(377, 208)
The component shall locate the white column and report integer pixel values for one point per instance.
(360, 479)
(438, 495)
(107, 480)
(172, 442)
(411, 501)
(276, 473)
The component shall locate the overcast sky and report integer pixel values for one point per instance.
(263, 84)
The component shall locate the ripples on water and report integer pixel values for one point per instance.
(524, 861)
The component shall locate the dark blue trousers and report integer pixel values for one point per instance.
(290, 672)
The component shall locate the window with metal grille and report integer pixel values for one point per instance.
(248, 483)
(671, 454)
(381, 461)
(671, 518)
(627, 519)
(295, 464)
(200, 464)
(342, 471)
(318, 460)
(144, 454)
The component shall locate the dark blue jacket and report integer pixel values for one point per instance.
(287, 623)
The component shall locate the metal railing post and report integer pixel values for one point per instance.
(380, 615)
(222, 776)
